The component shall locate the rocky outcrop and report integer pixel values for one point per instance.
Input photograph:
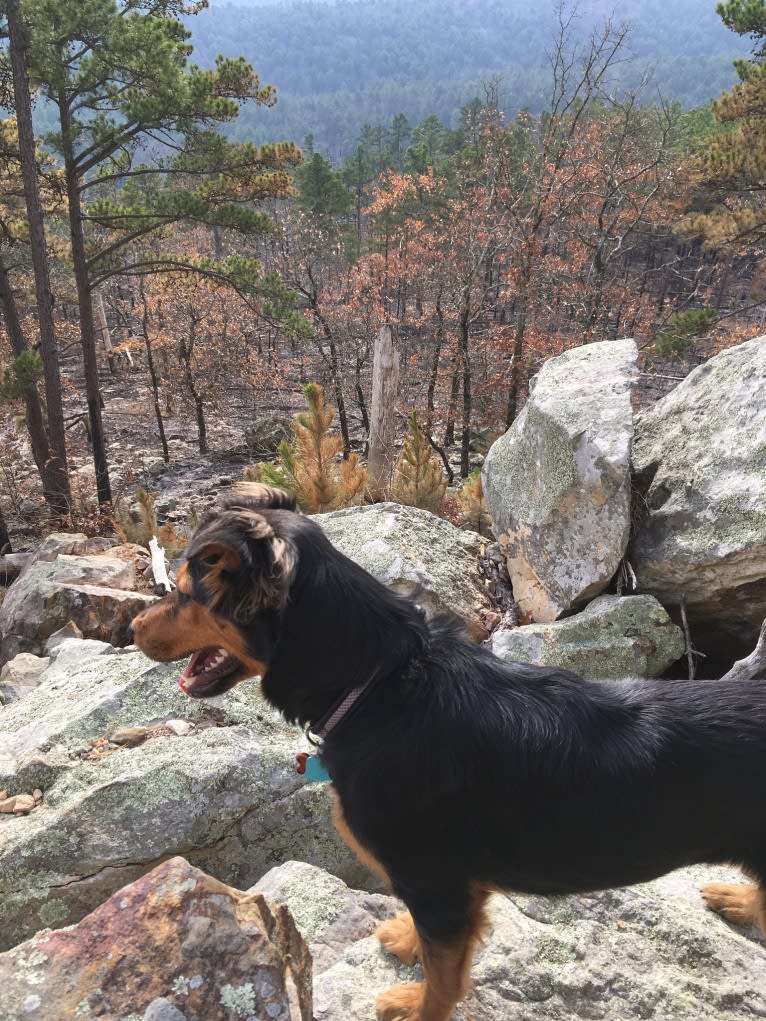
(89, 582)
(651, 951)
(21, 675)
(700, 460)
(175, 945)
(132, 771)
(614, 636)
(557, 484)
(407, 548)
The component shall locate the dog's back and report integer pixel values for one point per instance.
(534, 779)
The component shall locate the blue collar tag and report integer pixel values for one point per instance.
(310, 768)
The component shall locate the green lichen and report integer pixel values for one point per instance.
(316, 906)
(554, 951)
(53, 912)
(240, 1000)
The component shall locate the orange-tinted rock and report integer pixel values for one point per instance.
(175, 943)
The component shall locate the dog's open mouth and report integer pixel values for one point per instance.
(209, 672)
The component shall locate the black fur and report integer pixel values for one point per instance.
(457, 766)
(458, 771)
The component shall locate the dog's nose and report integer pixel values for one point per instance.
(130, 635)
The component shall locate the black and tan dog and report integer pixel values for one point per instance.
(457, 774)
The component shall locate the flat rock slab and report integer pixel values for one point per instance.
(214, 781)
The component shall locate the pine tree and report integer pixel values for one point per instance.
(311, 467)
(418, 478)
(473, 506)
(735, 157)
(118, 78)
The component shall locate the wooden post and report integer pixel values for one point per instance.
(385, 381)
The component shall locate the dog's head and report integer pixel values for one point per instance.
(231, 588)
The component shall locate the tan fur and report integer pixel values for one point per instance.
(398, 936)
(447, 973)
(364, 856)
(740, 903)
(166, 631)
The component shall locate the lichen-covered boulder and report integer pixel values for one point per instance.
(557, 484)
(614, 636)
(408, 548)
(132, 771)
(71, 578)
(650, 951)
(175, 945)
(700, 459)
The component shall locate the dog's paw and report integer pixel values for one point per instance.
(399, 937)
(737, 902)
(401, 1003)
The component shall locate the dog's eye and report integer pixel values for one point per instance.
(212, 560)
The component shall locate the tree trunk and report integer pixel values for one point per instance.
(85, 306)
(385, 383)
(35, 418)
(333, 363)
(154, 378)
(434, 374)
(465, 438)
(449, 429)
(186, 351)
(512, 408)
(5, 539)
(56, 481)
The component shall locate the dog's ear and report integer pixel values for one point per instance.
(242, 566)
(218, 556)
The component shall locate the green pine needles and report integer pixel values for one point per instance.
(418, 479)
(311, 467)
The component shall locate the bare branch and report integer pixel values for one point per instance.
(752, 665)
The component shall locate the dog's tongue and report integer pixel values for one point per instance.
(206, 672)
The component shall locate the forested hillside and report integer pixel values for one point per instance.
(337, 66)
(153, 250)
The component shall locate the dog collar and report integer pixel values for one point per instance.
(318, 732)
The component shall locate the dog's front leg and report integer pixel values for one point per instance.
(446, 964)
(447, 979)
(398, 936)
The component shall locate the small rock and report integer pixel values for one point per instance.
(129, 736)
(163, 1010)
(180, 727)
(68, 631)
(19, 804)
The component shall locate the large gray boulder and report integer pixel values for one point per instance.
(651, 951)
(614, 636)
(700, 458)
(132, 771)
(557, 484)
(89, 582)
(407, 548)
